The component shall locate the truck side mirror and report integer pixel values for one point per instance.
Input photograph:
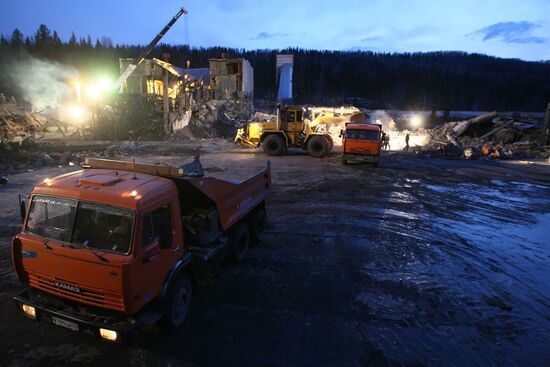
(22, 209)
(341, 133)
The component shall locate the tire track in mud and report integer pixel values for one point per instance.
(426, 276)
(479, 260)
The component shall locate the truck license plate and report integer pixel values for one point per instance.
(64, 323)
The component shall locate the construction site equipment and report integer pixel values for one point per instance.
(132, 67)
(287, 130)
(361, 142)
(117, 246)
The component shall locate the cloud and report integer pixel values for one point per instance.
(510, 32)
(371, 39)
(266, 35)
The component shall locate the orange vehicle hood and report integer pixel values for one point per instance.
(73, 273)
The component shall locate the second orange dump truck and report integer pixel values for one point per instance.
(117, 246)
(361, 142)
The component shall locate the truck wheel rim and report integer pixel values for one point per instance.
(317, 147)
(273, 146)
(181, 304)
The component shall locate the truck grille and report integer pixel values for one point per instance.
(87, 295)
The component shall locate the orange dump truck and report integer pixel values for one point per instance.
(361, 142)
(117, 246)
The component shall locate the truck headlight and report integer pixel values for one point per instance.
(29, 310)
(108, 334)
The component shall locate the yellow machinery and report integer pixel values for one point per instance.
(289, 130)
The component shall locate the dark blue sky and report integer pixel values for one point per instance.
(505, 28)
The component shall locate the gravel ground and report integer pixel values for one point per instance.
(417, 262)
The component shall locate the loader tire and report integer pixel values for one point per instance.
(257, 225)
(240, 241)
(274, 145)
(177, 302)
(318, 146)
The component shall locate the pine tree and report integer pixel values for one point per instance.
(17, 39)
(4, 42)
(28, 43)
(56, 40)
(72, 41)
(42, 36)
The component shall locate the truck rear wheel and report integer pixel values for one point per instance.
(177, 302)
(258, 224)
(273, 145)
(240, 241)
(318, 146)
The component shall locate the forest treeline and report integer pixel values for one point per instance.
(433, 80)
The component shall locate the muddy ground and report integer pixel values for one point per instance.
(417, 262)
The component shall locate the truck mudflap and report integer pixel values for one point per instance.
(112, 330)
(361, 157)
(205, 261)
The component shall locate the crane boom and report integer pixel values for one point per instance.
(133, 66)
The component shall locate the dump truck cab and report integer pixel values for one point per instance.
(107, 250)
(361, 142)
(287, 130)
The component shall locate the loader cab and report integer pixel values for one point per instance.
(292, 118)
(292, 122)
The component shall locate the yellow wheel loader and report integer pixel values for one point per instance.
(288, 130)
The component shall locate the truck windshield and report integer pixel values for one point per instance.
(363, 135)
(98, 226)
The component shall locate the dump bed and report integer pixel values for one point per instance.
(232, 200)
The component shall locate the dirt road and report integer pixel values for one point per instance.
(417, 262)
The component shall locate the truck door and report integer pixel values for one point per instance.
(158, 248)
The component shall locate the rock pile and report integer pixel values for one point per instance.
(16, 126)
(215, 118)
(487, 136)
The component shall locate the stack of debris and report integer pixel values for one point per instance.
(123, 150)
(16, 126)
(488, 136)
(214, 118)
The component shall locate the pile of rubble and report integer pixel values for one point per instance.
(214, 118)
(15, 126)
(15, 157)
(488, 136)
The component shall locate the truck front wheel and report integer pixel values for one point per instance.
(318, 146)
(240, 240)
(273, 145)
(177, 302)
